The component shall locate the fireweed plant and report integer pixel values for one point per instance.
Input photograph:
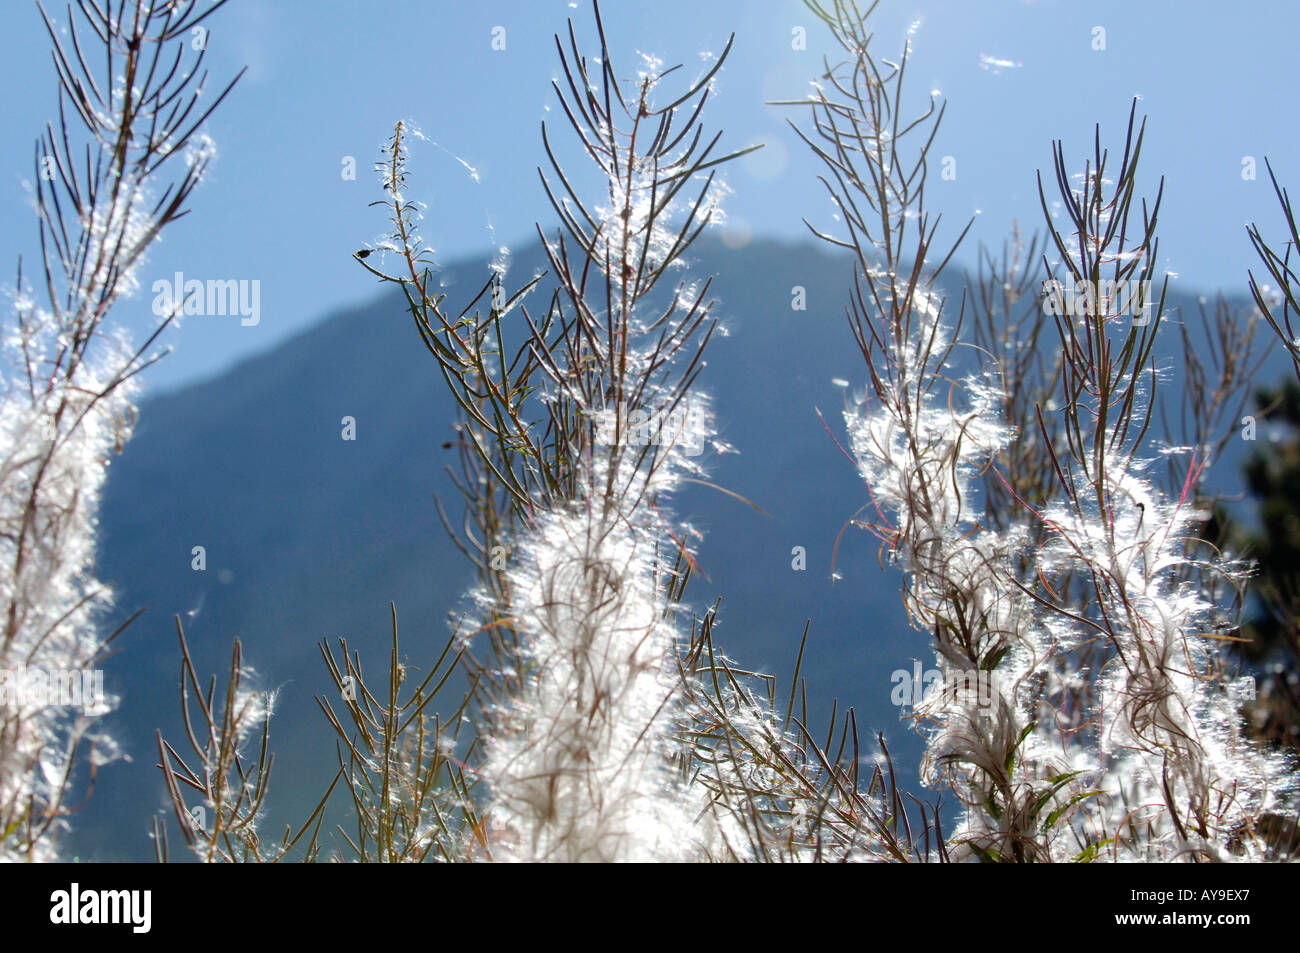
(610, 729)
(1277, 294)
(68, 384)
(1113, 734)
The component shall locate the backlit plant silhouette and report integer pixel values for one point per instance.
(66, 397)
(1111, 732)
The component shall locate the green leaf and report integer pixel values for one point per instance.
(1056, 814)
(991, 660)
(1011, 755)
(986, 856)
(1057, 782)
(1089, 853)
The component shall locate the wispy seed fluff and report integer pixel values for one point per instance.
(1160, 770)
(580, 770)
(921, 455)
(586, 780)
(54, 453)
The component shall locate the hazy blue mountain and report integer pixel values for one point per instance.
(309, 537)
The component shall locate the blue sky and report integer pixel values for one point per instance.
(327, 80)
